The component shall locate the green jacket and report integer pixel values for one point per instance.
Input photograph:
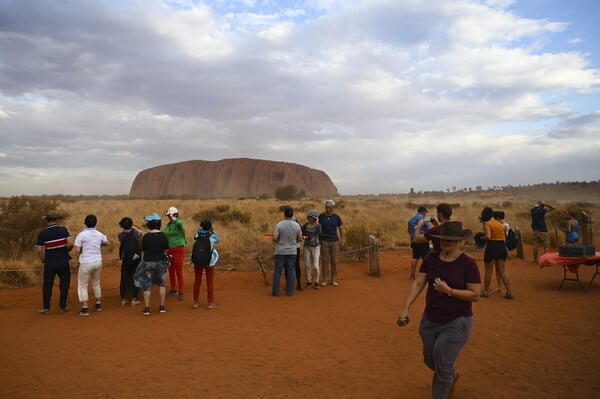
(175, 232)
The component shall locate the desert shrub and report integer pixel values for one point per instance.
(222, 208)
(357, 241)
(288, 192)
(239, 216)
(21, 223)
(506, 205)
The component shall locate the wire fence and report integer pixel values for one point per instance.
(18, 276)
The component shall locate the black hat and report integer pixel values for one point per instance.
(479, 241)
(453, 231)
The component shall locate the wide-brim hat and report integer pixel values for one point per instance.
(479, 241)
(313, 214)
(453, 231)
(52, 215)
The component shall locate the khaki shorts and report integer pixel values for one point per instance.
(540, 238)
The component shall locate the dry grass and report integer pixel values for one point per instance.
(383, 216)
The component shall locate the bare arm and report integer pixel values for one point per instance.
(41, 252)
(487, 231)
(419, 237)
(470, 294)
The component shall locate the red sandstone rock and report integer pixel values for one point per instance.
(229, 178)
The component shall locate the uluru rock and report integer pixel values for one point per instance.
(229, 178)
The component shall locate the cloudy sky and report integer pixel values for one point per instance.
(382, 95)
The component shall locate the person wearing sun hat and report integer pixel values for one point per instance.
(453, 283)
(53, 244)
(311, 231)
(175, 231)
(152, 269)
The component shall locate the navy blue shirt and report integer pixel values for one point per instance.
(329, 225)
(538, 219)
(56, 251)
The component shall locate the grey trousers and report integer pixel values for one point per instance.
(441, 346)
(329, 251)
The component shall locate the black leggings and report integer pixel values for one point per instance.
(126, 288)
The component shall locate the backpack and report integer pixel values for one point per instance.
(511, 240)
(202, 250)
(130, 248)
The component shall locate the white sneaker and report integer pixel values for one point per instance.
(335, 284)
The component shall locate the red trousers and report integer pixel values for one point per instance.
(176, 268)
(210, 282)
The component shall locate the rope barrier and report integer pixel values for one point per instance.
(221, 262)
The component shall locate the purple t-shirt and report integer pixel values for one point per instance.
(441, 308)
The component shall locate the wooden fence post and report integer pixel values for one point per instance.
(374, 257)
(587, 229)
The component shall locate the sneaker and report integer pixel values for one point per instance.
(181, 296)
(124, 302)
(509, 295)
(135, 302)
(196, 305)
(83, 312)
(162, 309)
(299, 288)
(412, 277)
(98, 307)
(317, 286)
(308, 285)
(171, 293)
(323, 284)
(335, 284)
(44, 311)
(146, 312)
(63, 310)
(484, 294)
(212, 305)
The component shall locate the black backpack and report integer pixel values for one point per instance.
(130, 248)
(202, 250)
(511, 240)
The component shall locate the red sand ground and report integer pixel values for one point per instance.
(333, 343)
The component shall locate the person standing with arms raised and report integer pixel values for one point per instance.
(331, 223)
(540, 230)
(175, 231)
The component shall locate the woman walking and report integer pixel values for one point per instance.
(453, 283)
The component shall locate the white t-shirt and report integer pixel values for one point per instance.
(288, 232)
(90, 241)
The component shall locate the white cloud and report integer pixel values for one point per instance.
(375, 89)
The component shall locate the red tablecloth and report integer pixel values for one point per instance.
(553, 258)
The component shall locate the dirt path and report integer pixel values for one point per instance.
(333, 343)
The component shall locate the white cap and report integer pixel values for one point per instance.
(171, 211)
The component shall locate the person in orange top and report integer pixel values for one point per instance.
(495, 252)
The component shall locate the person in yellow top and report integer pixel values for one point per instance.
(495, 252)
(175, 231)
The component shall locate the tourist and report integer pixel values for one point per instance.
(286, 235)
(311, 230)
(571, 230)
(444, 212)
(500, 216)
(332, 236)
(495, 252)
(88, 245)
(53, 244)
(453, 283)
(175, 231)
(538, 225)
(419, 250)
(130, 255)
(205, 263)
(153, 267)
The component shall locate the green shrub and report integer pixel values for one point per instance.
(21, 223)
(288, 192)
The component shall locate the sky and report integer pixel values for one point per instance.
(382, 95)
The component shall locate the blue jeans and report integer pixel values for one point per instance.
(441, 346)
(288, 262)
